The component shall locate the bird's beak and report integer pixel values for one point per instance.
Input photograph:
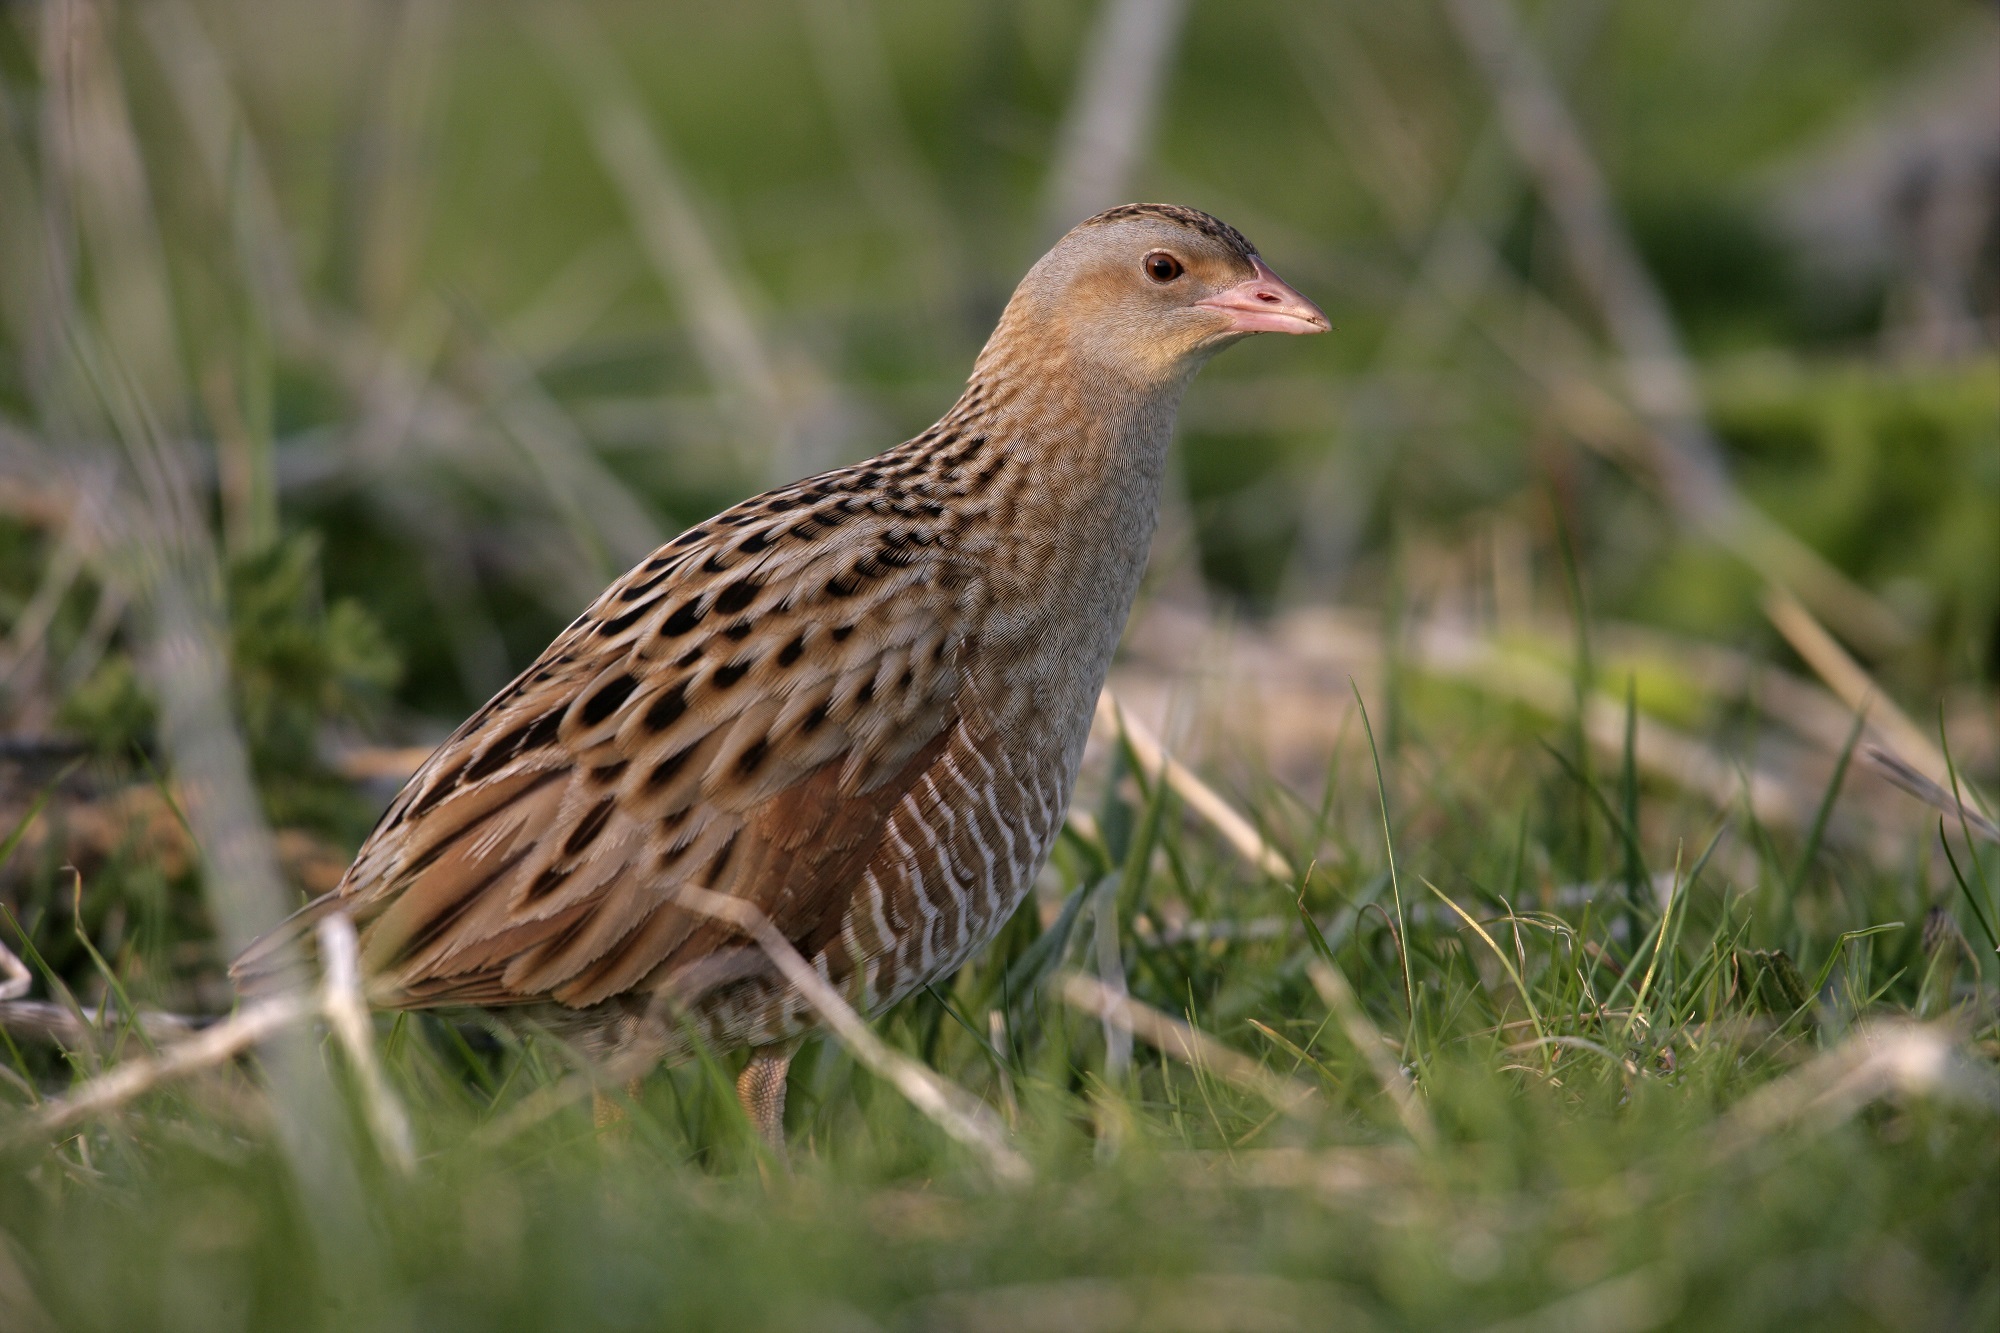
(1266, 303)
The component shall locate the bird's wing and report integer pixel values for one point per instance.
(742, 712)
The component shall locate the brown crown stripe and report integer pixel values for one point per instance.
(1192, 218)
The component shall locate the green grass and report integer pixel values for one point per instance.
(1623, 1102)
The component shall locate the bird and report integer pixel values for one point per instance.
(857, 703)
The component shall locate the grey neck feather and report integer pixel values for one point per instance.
(1086, 466)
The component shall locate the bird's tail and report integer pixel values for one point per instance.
(282, 957)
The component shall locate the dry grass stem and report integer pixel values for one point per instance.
(1176, 1039)
(1188, 1304)
(51, 1021)
(1546, 138)
(1659, 750)
(1801, 705)
(1879, 1060)
(1916, 784)
(949, 1106)
(1367, 1038)
(17, 978)
(1332, 1172)
(1787, 562)
(1499, 955)
(1855, 688)
(1630, 1303)
(1084, 825)
(339, 1000)
(854, 67)
(669, 226)
(1109, 122)
(1111, 975)
(347, 1013)
(32, 622)
(123, 412)
(211, 1047)
(1683, 455)
(1237, 831)
(200, 84)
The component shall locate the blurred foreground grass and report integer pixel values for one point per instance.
(1623, 1108)
(346, 350)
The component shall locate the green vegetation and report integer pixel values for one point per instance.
(1631, 1105)
(348, 350)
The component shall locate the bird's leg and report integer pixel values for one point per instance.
(761, 1089)
(607, 1115)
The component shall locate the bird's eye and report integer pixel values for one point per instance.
(1163, 267)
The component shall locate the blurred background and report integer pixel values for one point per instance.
(348, 349)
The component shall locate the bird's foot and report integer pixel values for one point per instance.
(761, 1089)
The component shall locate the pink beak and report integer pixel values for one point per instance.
(1266, 303)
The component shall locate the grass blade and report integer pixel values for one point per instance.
(1395, 886)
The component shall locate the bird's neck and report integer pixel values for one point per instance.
(1057, 467)
(1085, 434)
(1078, 454)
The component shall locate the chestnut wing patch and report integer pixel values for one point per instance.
(742, 712)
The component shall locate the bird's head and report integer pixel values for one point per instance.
(1150, 291)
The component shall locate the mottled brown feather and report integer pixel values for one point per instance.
(707, 702)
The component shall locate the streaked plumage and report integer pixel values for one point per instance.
(859, 701)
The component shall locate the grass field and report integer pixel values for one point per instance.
(1599, 1107)
(1526, 934)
